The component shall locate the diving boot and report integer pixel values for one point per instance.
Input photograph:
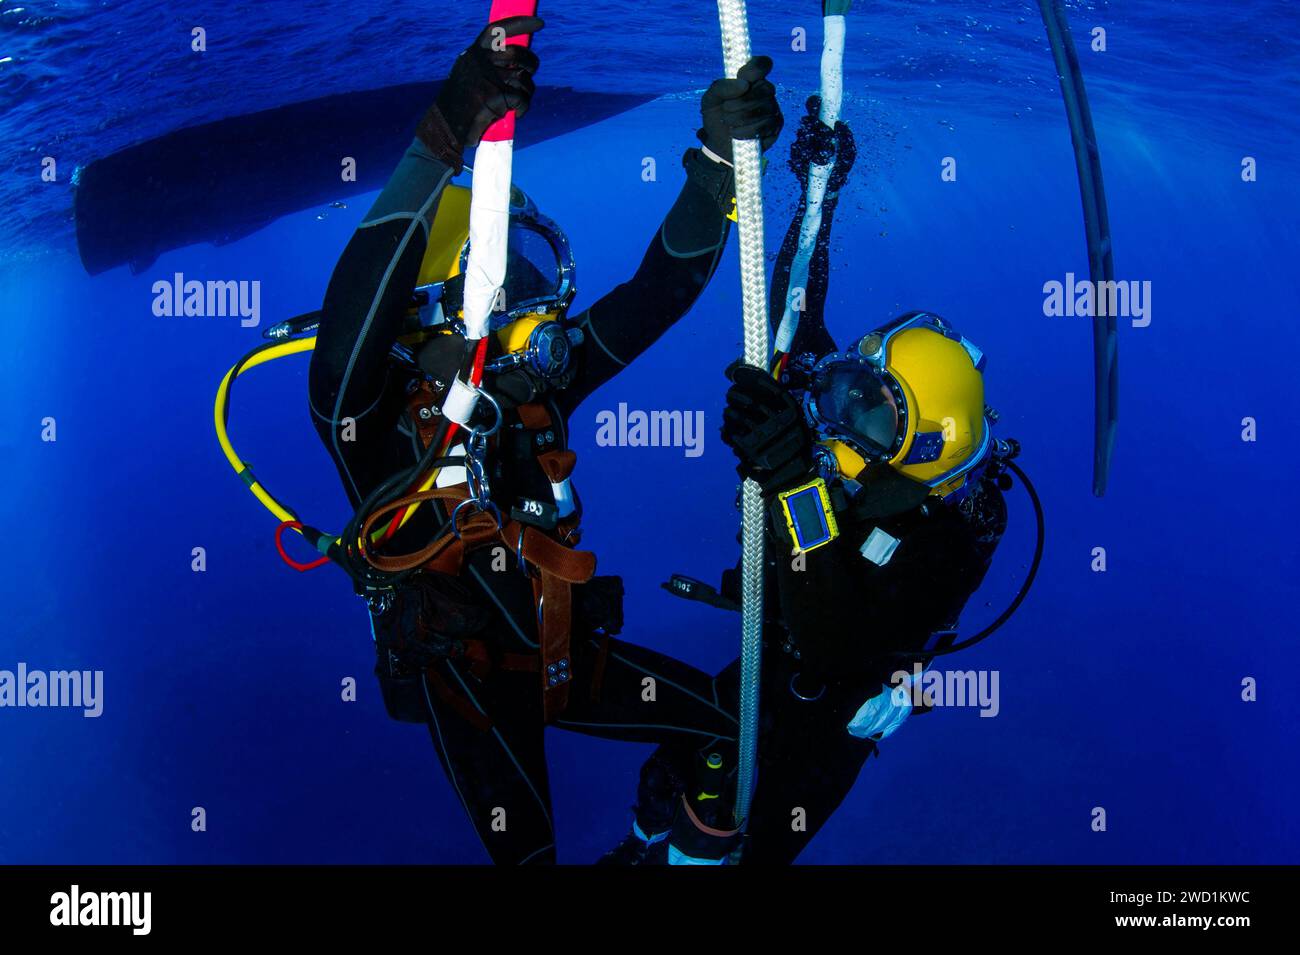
(638, 849)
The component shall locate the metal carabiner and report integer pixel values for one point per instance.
(476, 479)
(476, 475)
(484, 507)
(479, 434)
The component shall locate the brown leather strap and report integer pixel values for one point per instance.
(422, 407)
(482, 661)
(534, 416)
(447, 552)
(555, 597)
(559, 568)
(475, 529)
(557, 465)
(550, 556)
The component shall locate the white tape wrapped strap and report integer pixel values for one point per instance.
(489, 229)
(833, 68)
(459, 404)
(818, 176)
(832, 94)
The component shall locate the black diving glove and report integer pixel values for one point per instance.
(816, 143)
(764, 425)
(743, 108)
(486, 82)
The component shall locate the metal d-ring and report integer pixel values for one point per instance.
(485, 507)
(478, 434)
(806, 699)
(519, 553)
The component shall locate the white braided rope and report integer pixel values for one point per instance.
(747, 157)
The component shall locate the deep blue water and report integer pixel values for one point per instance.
(1119, 689)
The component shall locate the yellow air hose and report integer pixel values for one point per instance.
(220, 411)
(222, 406)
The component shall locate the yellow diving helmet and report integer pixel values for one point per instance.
(910, 395)
(539, 281)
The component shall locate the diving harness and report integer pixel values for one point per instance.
(533, 357)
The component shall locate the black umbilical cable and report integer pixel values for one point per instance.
(1024, 588)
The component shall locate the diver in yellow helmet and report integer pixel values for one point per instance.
(909, 395)
(535, 344)
(489, 622)
(883, 484)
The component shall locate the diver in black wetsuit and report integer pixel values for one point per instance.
(885, 508)
(459, 650)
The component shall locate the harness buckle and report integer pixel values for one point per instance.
(483, 507)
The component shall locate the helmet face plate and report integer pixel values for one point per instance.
(540, 268)
(849, 400)
(918, 375)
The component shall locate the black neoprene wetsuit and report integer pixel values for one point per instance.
(841, 624)
(488, 729)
